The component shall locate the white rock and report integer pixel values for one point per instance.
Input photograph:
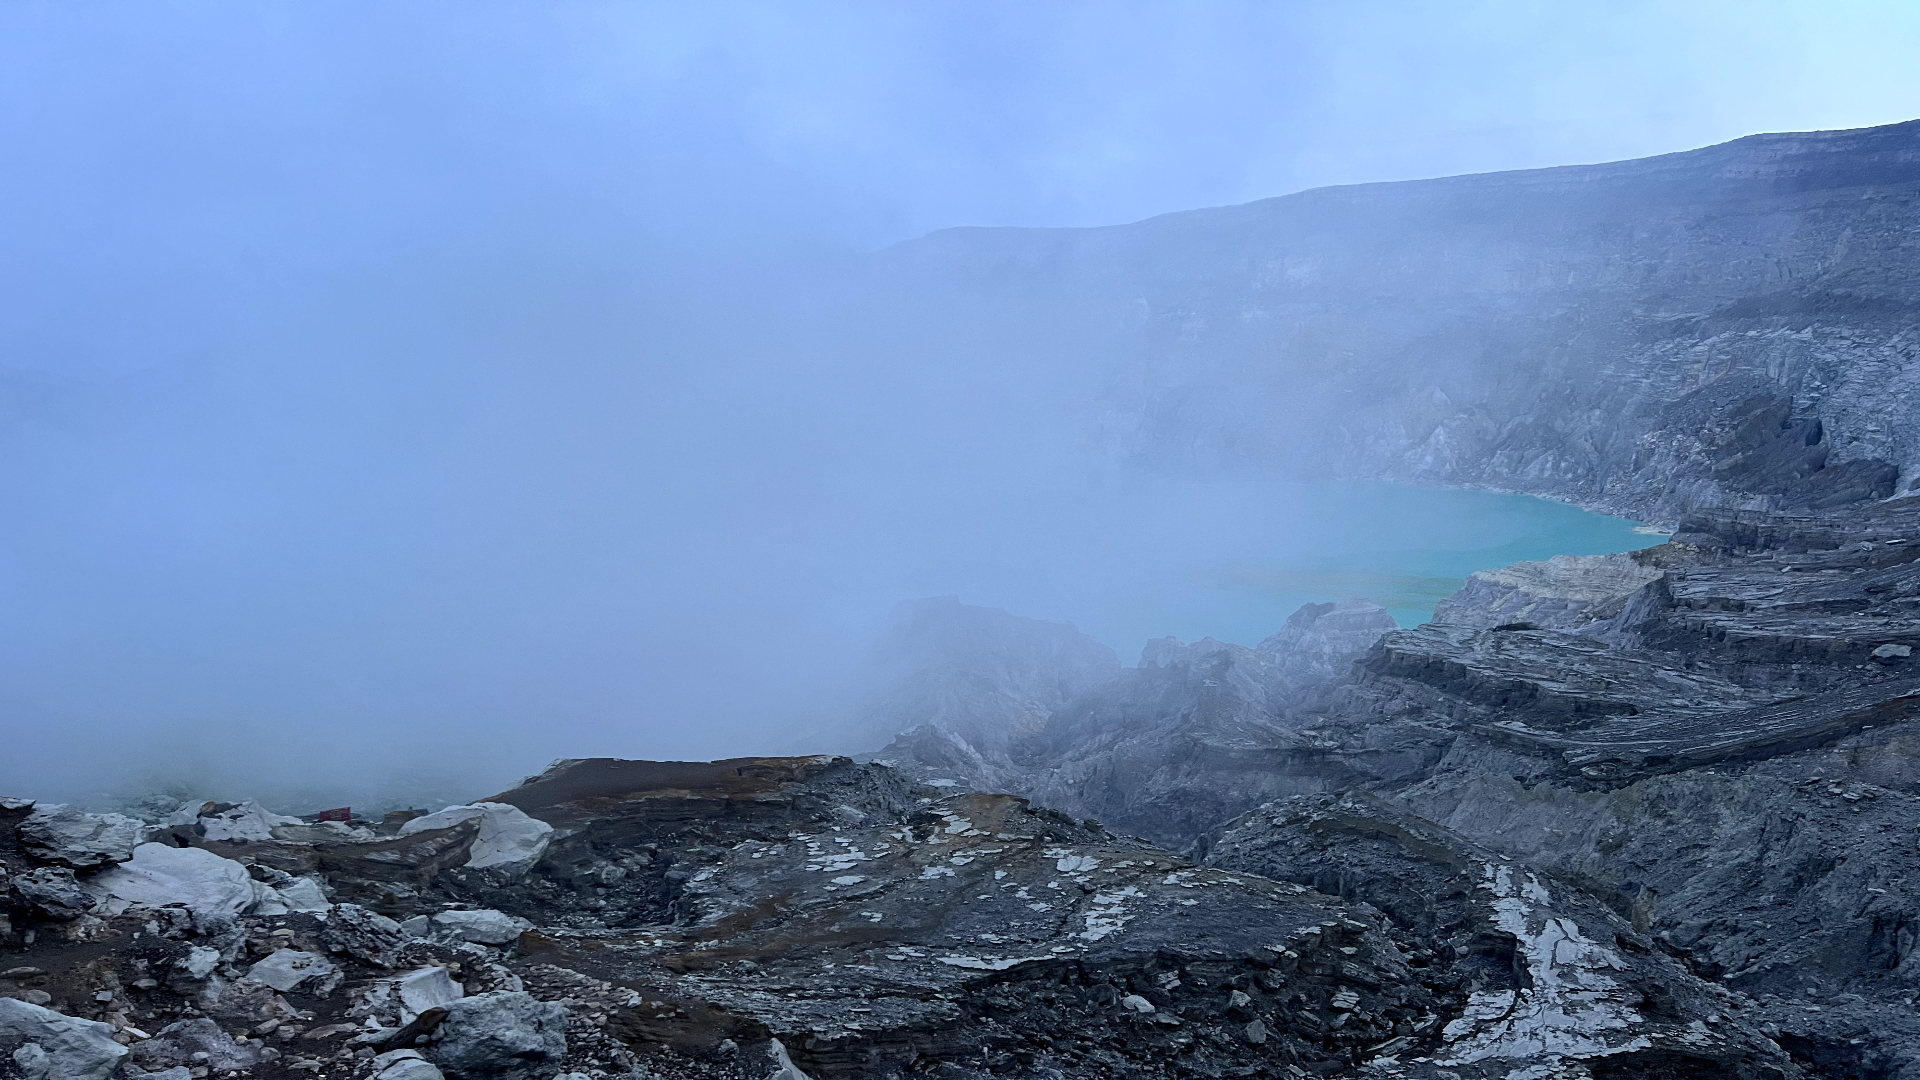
(429, 987)
(199, 962)
(783, 1066)
(405, 1065)
(304, 894)
(324, 832)
(1137, 1004)
(72, 837)
(206, 884)
(243, 821)
(482, 927)
(444, 819)
(1573, 1007)
(509, 840)
(292, 971)
(53, 1046)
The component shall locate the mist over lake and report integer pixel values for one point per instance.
(1139, 557)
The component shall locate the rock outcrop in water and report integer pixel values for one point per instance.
(1563, 593)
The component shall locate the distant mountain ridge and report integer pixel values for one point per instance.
(1733, 326)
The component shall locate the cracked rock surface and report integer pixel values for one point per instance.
(808, 916)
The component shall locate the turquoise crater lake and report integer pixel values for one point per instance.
(1132, 559)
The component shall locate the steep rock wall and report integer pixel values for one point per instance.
(1732, 326)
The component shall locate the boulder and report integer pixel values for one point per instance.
(503, 1035)
(206, 884)
(292, 893)
(509, 841)
(783, 1066)
(54, 891)
(426, 988)
(303, 894)
(324, 832)
(291, 971)
(198, 963)
(71, 837)
(46, 1045)
(364, 935)
(482, 927)
(240, 821)
(399, 1001)
(177, 1044)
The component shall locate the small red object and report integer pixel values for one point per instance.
(344, 813)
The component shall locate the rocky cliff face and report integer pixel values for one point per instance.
(1705, 749)
(1732, 326)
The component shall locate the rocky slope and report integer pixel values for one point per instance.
(1714, 740)
(1728, 326)
(786, 917)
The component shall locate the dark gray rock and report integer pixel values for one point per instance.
(54, 891)
(503, 1035)
(1137, 748)
(364, 935)
(1321, 641)
(975, 935)
(1563, 593)
(194, 1043)
(1728, 761)
(1529, 967)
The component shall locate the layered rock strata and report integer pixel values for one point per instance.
(1730, 326)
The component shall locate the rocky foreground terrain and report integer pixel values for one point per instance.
(1652, 815)
(802, 916)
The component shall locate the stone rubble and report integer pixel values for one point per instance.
(807, 917)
